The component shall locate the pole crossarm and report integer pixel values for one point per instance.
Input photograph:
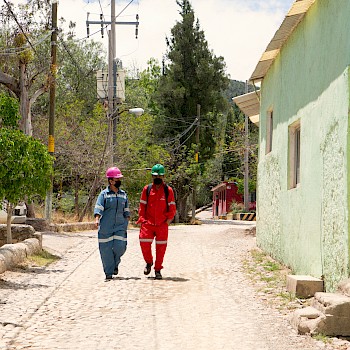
(109, 22)
(105, 24)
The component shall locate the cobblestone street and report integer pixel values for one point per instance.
(203, 302)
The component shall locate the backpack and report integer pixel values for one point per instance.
(166, 191)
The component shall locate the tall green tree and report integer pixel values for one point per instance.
(25, 164)
(137, 149)
(193, 75)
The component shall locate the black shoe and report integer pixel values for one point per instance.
(109, 277)
(115, 271)
(147, 269)
(158, 275)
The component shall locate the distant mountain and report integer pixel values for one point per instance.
(236, 88)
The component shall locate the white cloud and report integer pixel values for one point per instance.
(238, 30)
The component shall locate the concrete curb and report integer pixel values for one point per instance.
(227, 222)
(74, 227)
(13, 254)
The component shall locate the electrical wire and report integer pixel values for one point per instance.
(181, 144)
(17, 50)
(71, 56)
(19, 25)
(124, 8)
(178, 137)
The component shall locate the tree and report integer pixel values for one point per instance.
(194, 75)
(233, 152)
(23, 66)
(137, 149)
(80, 120)
(25, 164)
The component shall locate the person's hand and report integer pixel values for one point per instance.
(168, 222)
(97, 221)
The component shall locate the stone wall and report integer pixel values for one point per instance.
(19, 233)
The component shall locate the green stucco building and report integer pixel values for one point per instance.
(303, 196)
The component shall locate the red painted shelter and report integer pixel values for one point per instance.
(223, 195)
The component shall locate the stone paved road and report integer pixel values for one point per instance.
(203, 302)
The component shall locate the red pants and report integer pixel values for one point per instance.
(147, 234)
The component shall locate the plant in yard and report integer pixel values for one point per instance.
(43, 258)
(25, 164)
(236, 207)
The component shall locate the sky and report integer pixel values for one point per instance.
(238, 30)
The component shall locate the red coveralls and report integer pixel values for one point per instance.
(153, 214)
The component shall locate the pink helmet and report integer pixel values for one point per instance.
(114, 172)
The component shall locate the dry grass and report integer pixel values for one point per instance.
(269, 277)
(59, 217)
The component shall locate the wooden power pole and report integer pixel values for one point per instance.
(53, 73)
(194, 199)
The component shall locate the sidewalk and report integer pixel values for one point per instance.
(206, 217)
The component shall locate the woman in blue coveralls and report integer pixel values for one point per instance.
(111, 218)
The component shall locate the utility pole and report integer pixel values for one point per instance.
(53, 73)
(112, 76)
(246, 159)
(110, 98)
(196, 159)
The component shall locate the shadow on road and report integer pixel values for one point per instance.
(126, 278)
(16, 286)
(174, 279)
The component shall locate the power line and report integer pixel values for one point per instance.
(19, 25)
(71, 56)
(17, 50)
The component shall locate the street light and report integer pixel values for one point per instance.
(136, 111)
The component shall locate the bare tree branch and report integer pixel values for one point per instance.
(10, 82)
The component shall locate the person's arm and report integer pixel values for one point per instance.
(99, 209)
(142, 206)
(97, 220)
(172, 206)
(126, 209)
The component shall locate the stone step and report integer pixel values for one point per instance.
(304, 286)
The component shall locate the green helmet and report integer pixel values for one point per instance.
(158, 169)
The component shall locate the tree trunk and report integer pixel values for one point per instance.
(92, 194)
(8, 227)
(76, 196)
(25, 122)
(182, 208)
(30, 210)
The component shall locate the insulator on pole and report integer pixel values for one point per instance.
(137, 26)
(101, 18)
(87, 25)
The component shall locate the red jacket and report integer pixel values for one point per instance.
(153, 209)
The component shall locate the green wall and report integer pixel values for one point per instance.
(307, 228)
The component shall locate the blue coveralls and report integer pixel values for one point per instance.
(112, 231)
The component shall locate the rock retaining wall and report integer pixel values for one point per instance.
(19, 233)
(329, 314)
(13, 254)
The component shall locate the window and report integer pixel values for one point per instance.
(269, 131)
(294, 154)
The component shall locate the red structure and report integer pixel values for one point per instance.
(223, 195)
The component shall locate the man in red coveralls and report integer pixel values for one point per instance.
(156, 211)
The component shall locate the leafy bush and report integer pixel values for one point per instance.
(237, 207)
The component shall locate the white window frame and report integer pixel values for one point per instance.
(294, 139)
(269, 131)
